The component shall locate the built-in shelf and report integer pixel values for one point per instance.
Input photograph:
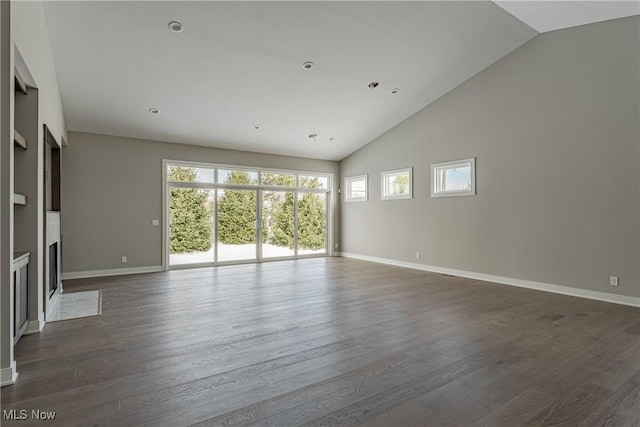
(20, 83)
(19, 256)
(19, 199)
(19, 140)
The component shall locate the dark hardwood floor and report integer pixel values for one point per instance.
(330, 341)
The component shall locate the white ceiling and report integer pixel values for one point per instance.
(546, 16)
(238, 64)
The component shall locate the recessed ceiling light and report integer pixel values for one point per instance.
(154, 110)
(257, 127)
(176, 26)
(307, 65)
(395, 90)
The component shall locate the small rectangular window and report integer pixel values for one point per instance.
(456, 178)
(313, 181)
(396, 184)
(179, 173)
(279, 179)
(355, 188)
(237, 177)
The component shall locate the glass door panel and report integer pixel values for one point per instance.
(312, 223)
(191, 233)
(237, 218)
(278, 224)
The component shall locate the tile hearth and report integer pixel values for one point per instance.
(77, 304)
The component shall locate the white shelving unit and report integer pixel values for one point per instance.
(19, 140)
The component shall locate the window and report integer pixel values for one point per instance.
(279, 179)
(396, 184)
(355, 188)
(456, 178)
(313, 181)
(182, 173)
(237, 177)
(217, 214)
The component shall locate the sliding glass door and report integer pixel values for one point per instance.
(217, 214)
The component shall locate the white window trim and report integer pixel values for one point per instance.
(347, 187)
(455, 193)
(384, 196)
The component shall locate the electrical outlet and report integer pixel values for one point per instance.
(336, 246)
(124, 259)
(417, 255)
(155, 222)
(613, 280)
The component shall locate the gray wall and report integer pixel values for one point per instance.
(112, 189)
(555, 129)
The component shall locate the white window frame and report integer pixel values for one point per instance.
(347, 188)
(330, 200)
(435, 182)
(383, 184)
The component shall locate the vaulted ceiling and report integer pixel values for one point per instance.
(239, 65)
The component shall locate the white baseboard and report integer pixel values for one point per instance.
(110, 272)
(547, 287)
(8, 375)
(34, 327)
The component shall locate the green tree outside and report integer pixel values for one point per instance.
(237, 212)
(312, 221)
(278, 179)
(279, 215)
(311, 217)
(190, 214)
